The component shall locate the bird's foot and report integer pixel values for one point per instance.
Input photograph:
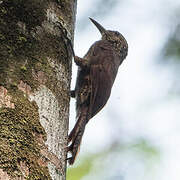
(72, 93)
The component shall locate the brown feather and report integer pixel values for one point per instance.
(97, 71)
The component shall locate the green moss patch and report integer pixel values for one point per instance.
(18, 127)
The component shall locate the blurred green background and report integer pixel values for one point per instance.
(136, 135)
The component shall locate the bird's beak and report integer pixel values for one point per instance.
(100, 28)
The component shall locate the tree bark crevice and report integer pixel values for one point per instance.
(35, 76)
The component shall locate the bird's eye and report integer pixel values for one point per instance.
(116, 33)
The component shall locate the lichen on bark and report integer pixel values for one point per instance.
(21, 52)
(33, 57)
(19, 126)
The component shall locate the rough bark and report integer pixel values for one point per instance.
(35, 74)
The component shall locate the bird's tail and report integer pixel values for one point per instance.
(75, 136)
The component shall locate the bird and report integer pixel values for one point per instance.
(96, 74)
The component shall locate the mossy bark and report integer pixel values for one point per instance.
(35, 74)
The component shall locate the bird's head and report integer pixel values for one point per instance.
(114, 37)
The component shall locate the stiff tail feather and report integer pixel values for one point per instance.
(75, 136)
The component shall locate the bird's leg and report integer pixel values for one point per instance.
(72, 93)
(80, 61)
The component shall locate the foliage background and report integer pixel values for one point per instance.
(136, 135)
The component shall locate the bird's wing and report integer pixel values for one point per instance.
(101, 85)
(102, 74)
(96, 86)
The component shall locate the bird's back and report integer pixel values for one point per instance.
(95, 82)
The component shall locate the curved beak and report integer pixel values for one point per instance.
(100, 28)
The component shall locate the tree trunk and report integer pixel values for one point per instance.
(35, 74)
